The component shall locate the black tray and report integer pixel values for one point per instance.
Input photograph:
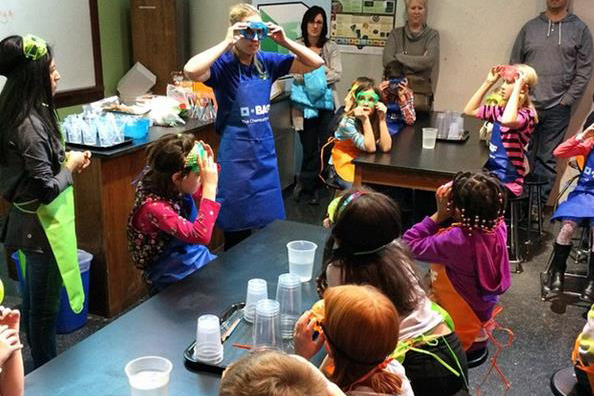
(90, 146)
(240, 332)
(462, 139)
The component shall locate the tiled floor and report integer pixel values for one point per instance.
(544, 331)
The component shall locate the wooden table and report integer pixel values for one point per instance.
(165, 324)
(409, 165)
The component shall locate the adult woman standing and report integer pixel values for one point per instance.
(36, 178)
(416, 47)
(314, 131)
(241, 76)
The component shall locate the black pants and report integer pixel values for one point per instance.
(549, 133)
(314, 135)
(428, 377)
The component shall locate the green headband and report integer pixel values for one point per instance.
(365, 96)
(191, 160)
(334, 210)
(34, 47)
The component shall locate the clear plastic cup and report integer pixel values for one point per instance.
(429, 137)
(288, 295)
(149, 376)
(208, 348)
(301, 259)
(266, 330)
(257, 289)
(440, 124)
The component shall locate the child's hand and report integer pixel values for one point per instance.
(9, 343)
(442, 197)
(404, 93)
(10, 317)
(303, 340)
(493, 75)
(209, 172)
(521, 80)
(383, 86)
(360, 113)
(381, 110)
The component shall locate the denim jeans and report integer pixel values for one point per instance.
(549, 133)
(41, 301)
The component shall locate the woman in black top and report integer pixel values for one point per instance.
(35, 176)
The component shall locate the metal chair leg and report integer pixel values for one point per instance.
(514, 242)
(539, 208)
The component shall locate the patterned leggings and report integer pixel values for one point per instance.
(568, 228)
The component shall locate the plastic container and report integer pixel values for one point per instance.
(301, 258)
(429, 137)
(209, 348)
(149, 376)
(257, 289)
(266, 330)
(67, 320)
(137, 129)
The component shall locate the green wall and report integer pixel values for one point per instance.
(116, 47)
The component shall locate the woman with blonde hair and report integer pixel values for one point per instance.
(241, 75)
(415, 48)
(352, 317)
(514, 118)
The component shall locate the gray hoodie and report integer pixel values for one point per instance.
(561, 54)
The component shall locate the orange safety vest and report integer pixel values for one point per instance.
(343, 154)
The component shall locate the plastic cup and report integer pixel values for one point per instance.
(440, 124)
(149, 376)
(288, 295)
(301, 259)
(266, 330)
(257, 289)
(429, 137)
(208, 348)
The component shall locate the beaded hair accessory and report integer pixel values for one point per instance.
(469, 223)
(191, 160)
(34, 47)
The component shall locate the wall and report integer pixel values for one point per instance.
(116, 47)
(208, 23)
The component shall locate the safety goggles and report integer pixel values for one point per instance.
(255, 31)
(509, 73)
(367, 98)
(34, 47)
(191, 160)
(394, 84)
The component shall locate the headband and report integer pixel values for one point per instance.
(334, 210)
(34, 48)
(191, 160)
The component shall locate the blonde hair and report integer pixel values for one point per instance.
(407, 2)
(354, 315)
(272, 373)
(531, 81)
(239, 12)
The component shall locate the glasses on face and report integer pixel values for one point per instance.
(255, 31)
(369, 98)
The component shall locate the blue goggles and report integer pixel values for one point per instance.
(394, 83)
(255, 31)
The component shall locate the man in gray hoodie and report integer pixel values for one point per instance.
(558, 45)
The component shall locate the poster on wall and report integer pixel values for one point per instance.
(288, 15)
(362, 26)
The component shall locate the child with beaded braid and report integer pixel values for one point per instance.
(470, 261)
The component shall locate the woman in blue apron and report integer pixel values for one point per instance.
(36, 179)
(513, 122)
(577, 209)
(167, 232)
(241, 76)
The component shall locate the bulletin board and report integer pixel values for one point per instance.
(288, 15)
(362, 26)
(71, 27)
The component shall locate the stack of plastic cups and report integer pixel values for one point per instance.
(288, 295)
(266, 331)
(209, 348)
(440, 119)
(257, 290)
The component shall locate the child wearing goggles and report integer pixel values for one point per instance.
(362, 128)
(398, 97)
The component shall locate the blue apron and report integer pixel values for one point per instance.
(249, 185)
(394, 118)
(499, 163)
(580, 202)
(179, 259)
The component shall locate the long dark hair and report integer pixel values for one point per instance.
(369, 224)
(28, 88)
(165, 157)
(308, 17)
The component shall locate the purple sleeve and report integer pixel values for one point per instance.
(277, 65)
(490, 113)
(429, 246)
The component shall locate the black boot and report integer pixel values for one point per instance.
(558, 266)
(588, 293)
(297, 191)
